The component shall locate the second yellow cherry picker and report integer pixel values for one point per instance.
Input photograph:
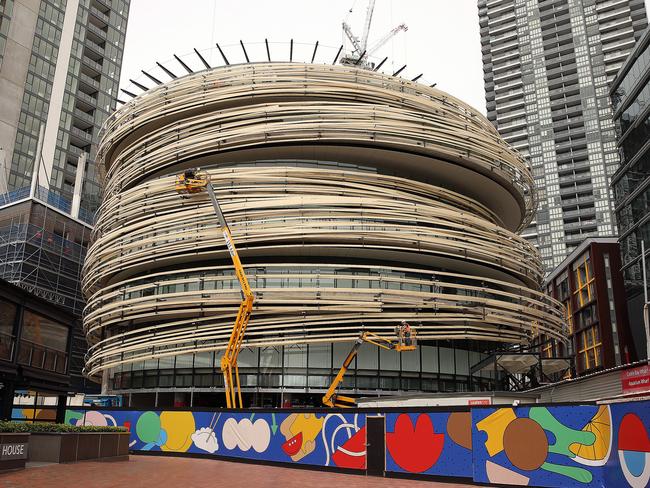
(194, 181)
(405, 342)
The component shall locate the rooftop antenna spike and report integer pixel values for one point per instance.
(380, 64)
(268, 51)
(313, 56)
(187, 68)
(225, 59)
(417, 77)
(205, 63)
(142, 87)
(291, 51)
(152, 78)
(131, 94)
(169, 73)
(399, 71)
(243, 48)
(360, 58)
(336, 58)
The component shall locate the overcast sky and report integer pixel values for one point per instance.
(442, 40)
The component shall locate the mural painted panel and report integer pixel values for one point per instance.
(565, 446)
(429, 443)
(630, 466)
(336, 440)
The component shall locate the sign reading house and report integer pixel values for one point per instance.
(14, 450)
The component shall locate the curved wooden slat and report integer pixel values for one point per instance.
(356, 199)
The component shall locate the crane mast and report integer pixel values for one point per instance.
(194, 181)
(360, 52)
(366, 25)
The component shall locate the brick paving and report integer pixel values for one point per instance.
(161, 472)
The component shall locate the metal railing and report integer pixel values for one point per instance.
(51, 198)
(41, 357)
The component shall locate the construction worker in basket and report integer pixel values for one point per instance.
(405, 333)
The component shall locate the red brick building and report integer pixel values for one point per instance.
(589, 284)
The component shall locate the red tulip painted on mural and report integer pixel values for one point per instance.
(414, 449)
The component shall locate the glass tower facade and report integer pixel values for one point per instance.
(61, 69)
(547, 65)
(59, 74)
(630, 95)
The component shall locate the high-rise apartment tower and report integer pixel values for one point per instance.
(547, 65)
(59, 73)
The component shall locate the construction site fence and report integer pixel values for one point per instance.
(546, 445)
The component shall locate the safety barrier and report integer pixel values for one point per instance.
(535, 445)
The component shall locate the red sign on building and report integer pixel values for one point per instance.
(479, 401)
(636, 380)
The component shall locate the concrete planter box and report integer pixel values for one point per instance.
(69, 447)
(14, 449)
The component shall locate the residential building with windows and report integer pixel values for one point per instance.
(630, 93)
(59, 73)
(547, 65)
(591, 289)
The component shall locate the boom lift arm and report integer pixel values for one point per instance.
(331, 399)
(193, 181)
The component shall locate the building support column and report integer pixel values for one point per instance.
(7, 402)
(62, 400)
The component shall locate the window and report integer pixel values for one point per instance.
(7, 319)
(589, 348)
(548, 349)
(44, 332)
(584, 281)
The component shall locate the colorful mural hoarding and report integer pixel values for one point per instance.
(335, 440)
(547, 446)
(563, 446)
(629, 465)
(437, 443)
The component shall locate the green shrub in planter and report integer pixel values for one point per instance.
(40, 427)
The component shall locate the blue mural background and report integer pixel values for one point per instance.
(425, 443)
(563, 446)
(336, 440)
(636, 463)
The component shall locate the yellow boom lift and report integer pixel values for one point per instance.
(405, 343)
(194, 181)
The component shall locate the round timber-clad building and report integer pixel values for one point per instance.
(356, 200)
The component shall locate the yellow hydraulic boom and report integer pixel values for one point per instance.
(193, 181)
(331, 399)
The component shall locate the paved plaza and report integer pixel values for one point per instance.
(145, 471)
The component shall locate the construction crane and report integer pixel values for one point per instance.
(360, 53)
(194, 181)
(406, 342)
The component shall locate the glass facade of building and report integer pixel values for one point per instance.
(59, 72)
(35, 343)
(630, 95)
